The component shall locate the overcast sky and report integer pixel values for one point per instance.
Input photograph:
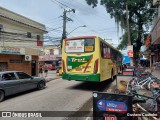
(48, 12)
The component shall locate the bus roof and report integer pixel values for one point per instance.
(74, 38)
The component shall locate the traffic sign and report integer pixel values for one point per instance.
(130, 53)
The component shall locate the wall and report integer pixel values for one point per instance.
(15, 28)
(23, 66)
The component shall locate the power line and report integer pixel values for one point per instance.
(63, 4)
(55, 29)
(47, 21)
(88, 27)
(102, 15)
(57, 4)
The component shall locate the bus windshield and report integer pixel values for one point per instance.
(80, 45)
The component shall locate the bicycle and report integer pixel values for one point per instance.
(137, 83)
(152, 104)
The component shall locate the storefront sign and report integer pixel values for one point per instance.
(12, 50)
(39, 43)
(30, 51)
(49, 57)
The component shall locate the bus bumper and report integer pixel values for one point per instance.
(79, 77)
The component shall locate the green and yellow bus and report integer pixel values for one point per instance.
(89, 58)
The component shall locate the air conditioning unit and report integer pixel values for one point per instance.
(28, 57)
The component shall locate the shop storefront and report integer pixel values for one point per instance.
(153, 44)
(12, 58)
(50, 59)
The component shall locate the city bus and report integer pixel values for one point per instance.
(89, 58)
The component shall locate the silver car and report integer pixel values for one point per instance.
(12, 82)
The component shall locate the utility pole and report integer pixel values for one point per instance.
(64, 24)
(65, 19)
(129, 38)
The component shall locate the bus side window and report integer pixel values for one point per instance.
(107, 52)
(101, 49)
(104, 51)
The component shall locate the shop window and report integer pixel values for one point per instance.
(101, 49)
(38, 37)
(3, 66)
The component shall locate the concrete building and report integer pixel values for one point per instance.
(52, 55)
(21, 40)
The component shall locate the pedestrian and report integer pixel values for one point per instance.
(45, 70)
(40, 71)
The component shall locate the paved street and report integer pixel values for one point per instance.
(59, 95)
(51, 75)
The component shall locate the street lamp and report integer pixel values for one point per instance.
(76, 29)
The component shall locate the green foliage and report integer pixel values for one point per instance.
(140, 15)
(93, 3)
(123, 43)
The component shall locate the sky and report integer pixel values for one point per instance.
(49, 12)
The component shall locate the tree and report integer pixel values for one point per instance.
(140, 15)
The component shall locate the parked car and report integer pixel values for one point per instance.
(51, 67)
(12, 82)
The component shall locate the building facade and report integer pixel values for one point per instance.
(52, 55)
(21, 40)
(152, 42)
